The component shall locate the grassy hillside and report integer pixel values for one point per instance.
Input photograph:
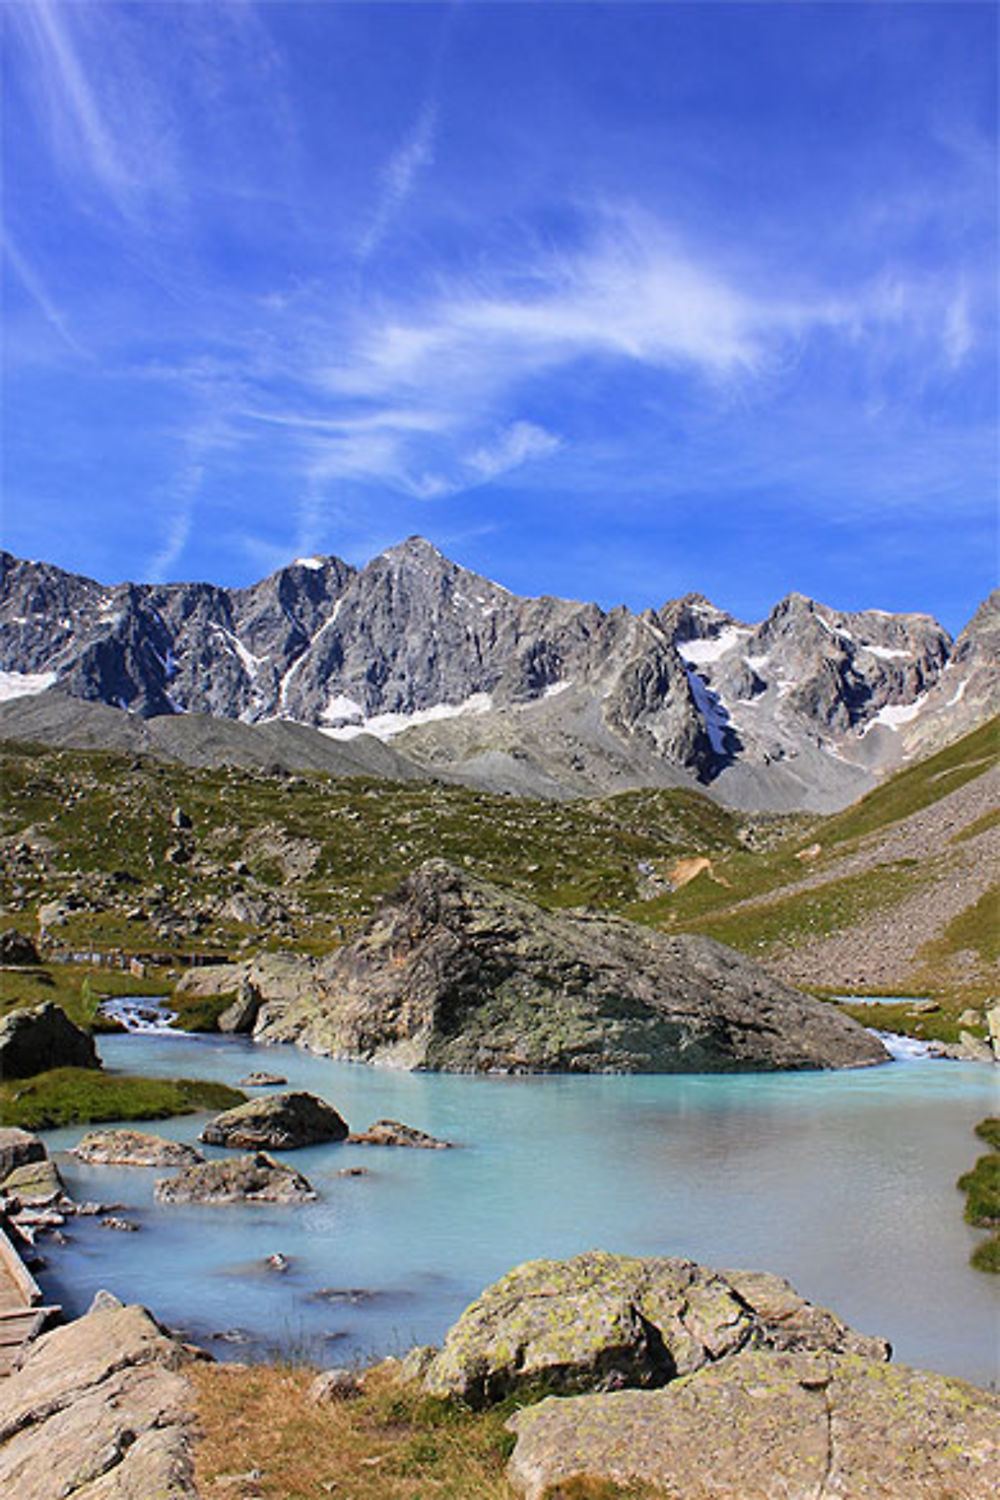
(112, 851)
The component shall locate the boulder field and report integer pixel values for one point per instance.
(458, 975)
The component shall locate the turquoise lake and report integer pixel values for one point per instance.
(843, 1182)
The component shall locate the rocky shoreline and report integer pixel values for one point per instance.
(702, 1383)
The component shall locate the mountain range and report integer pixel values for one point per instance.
(414, 666)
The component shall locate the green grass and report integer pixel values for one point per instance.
(977, 928)
(981, 1187)
(83, 1096)
(77, 988)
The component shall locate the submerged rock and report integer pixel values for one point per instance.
(393, 1133)
(255, 1178)
(765, 1425)
(280, 1122)
(456, 974)
(32, 1041)
(601, 1322)
(133, 1148)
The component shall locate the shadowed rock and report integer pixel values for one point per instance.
(279, 1122)
(455, 974)
(32, 1041)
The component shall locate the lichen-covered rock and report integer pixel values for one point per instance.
(241, 1015)
(393, 1133)
(36, 1184)
(601, 1322)
(101, 1409)
(767, 1425)
(279, 1122)
(17, 1148)
(32, 1041)
(255, 1178)
(133, 1148)
(455, 974)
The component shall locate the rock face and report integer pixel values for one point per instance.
(546, 696)
(100, 1409)
(602, 1322)
(256, 1178)
(764, 1425)
(133, 1148)
(278, 1122)
(455, 974)
(32, 1041)
(17, 1148)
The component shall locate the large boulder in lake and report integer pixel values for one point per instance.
(256, 1178)
(456, 974)
(601, 1322)
(767, 1425)
(277, 1122)
(32, 1041)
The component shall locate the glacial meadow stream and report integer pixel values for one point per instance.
(843, 1182)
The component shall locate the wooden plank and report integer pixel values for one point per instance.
(18, 1272)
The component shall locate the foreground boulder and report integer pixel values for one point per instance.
(32, 1041)
(278, 1122)
(768, 1425)
(133, 1148)
(256, 1178)
(34, 1184)
(457, 974)
(99, 1409)
(601, 1322)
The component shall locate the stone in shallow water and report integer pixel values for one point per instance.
(393, 1133)
(255, 1178)
(133, 1148)
(280, 1122)
(17, 1148)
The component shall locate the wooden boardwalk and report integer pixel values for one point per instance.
(22, 1315)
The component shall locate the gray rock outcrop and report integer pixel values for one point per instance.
(133, 1148)
(100, 1410)
(767, 1425)
(455, 974)
(602, 1322)
(32, 1041)
(17, 1148)
(255, 1178)
(277, 1122)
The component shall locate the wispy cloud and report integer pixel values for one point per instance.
(399, 176)
(33, 284)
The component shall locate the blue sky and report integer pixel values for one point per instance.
(609, 301)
